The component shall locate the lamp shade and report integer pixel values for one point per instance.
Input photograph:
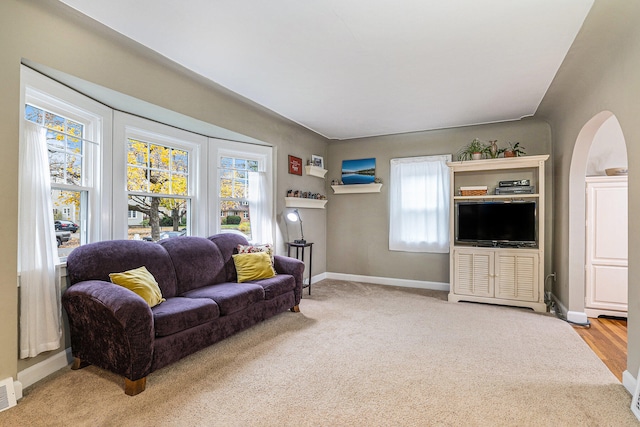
(294, 217)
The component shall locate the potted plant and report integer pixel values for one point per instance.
(475, 150)
(514, 150)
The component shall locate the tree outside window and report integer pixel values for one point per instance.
(155, 173)
(234, 191)
(69, 191)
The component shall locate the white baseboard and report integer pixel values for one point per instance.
(436, 286)
(41, 370)
(315, 279)
(577, 317)
(629, 382)
(17, 389)
(571, 316)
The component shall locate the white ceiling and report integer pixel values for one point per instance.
(354, 68)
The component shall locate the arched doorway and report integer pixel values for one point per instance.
(580, 163)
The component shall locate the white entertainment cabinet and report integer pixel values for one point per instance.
(511, 276)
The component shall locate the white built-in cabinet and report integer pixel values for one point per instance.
(506, 276)
(606, 276)
(496, 273)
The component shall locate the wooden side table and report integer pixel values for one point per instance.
(300, 248)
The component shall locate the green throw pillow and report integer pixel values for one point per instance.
(253, 266)
(140, 281)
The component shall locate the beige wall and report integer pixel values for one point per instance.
(358, 224)
(600, 74)
(49, 33)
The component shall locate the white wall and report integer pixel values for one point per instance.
(608, 149)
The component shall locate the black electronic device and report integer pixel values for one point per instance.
(514, 183)
(515, 190)
(496, 223)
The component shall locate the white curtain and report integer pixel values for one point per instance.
(260, 208)
(40, 310)
(419, 204)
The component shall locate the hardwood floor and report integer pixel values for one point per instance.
(607, 337)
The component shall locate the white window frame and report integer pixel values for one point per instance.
(404, 236)
(45, 93)
(128, 126)
(221, 148)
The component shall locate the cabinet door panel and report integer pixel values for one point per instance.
(473, 273)
(606, 278)
(610, 225)
(610, 288)
(517, 276)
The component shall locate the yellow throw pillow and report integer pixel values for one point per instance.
(140, 281)
(253, 266)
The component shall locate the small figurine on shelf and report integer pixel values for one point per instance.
(334, 182)
(289, 193)
(377, 180)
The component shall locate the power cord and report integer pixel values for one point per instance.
(552, 307)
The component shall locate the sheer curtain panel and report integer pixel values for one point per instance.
(259, 208)
(40, 310)
(419, 204)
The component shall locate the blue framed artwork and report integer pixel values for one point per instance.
(360, 171)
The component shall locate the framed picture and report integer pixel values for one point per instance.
(360, 171)
(317, 161)
(295, 165)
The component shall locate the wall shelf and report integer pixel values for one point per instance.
(299, 202)
(315, 171)
(356, 188)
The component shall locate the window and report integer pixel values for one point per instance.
(159, 178)
(234, 193)
(104, 163)
(76, 131)
(419, 204)
(158, 170)
(244, 190)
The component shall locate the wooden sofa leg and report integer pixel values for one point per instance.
(295, 309)
(79, 363)
(131, 388)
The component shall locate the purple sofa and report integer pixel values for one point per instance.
(114, 329)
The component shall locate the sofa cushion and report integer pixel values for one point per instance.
(253, 266)
(228, 245)
(277, 285)
(177, 314)
(141, 282)
(230, 297)
(95, 261)
(197, 261)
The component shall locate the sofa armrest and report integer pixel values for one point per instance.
(111, 327)
(294, 267)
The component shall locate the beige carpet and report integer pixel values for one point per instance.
(362, 355)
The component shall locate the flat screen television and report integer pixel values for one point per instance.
(504, 223)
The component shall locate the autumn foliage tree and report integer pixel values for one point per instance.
(154, 173)
(65, 153)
